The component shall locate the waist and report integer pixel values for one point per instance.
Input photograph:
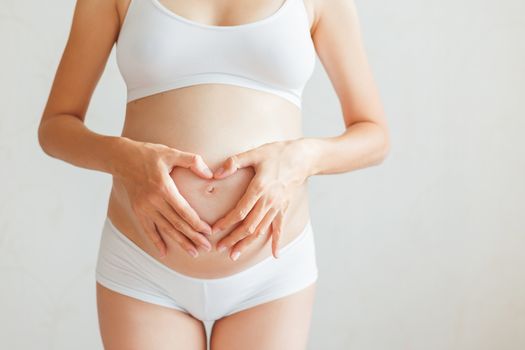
(213, 120)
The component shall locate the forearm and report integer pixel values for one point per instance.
(67, 138)
(363, 144)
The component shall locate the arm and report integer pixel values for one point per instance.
(62, 133)
(365, 142)
(67, 138)
(283, 166)
(143, 168)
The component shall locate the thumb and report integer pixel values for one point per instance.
(237, 161)
(191, 161)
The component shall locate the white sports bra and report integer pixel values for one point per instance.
(158, 50)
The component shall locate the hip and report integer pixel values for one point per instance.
(124, 267)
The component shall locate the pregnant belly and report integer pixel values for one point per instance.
(232, 120)
(211, 199)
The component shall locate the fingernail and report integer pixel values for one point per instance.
(206, 246)
(193, 253)
(208, 172)
(221, 248)
(235, 255)
(219, 171)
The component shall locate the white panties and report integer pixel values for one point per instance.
(125, 268)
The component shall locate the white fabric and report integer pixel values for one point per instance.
(159, 50)
(124, 267)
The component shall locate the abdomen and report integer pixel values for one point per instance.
(215, 121)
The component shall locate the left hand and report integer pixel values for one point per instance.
(281, 167)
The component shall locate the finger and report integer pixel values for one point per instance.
(180, 226)
(191, 161)
(266, 222)
(237, 161)
(277, 226)
(242, 230)
(259, 212)
(151, 231)
(261, 230)
(181, 206)
(165, 227)
(243, 207)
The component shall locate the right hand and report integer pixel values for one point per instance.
(155, 199)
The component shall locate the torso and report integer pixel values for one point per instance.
(232, 119)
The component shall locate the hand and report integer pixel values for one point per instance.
(280, 169)
(155, 199)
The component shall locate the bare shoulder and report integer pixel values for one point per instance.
(122, 9)
(316, 7)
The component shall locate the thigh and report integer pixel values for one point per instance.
(283, 323)
(132, 324)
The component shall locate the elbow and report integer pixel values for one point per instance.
(42, 137)
(382, 154)
(384, 147)
(385, 152)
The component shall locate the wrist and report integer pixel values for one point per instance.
(308, 152)
(123, 151)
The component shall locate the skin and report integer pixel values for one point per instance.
(167, 194)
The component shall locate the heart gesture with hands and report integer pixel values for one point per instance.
(280, 169)
(155, 199)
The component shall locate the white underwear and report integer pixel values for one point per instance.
(125, 268)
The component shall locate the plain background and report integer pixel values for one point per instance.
(425, 251)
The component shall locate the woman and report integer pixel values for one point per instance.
(211, 154)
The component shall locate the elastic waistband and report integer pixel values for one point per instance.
(306, 233)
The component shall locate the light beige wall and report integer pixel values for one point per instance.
(422, 252)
